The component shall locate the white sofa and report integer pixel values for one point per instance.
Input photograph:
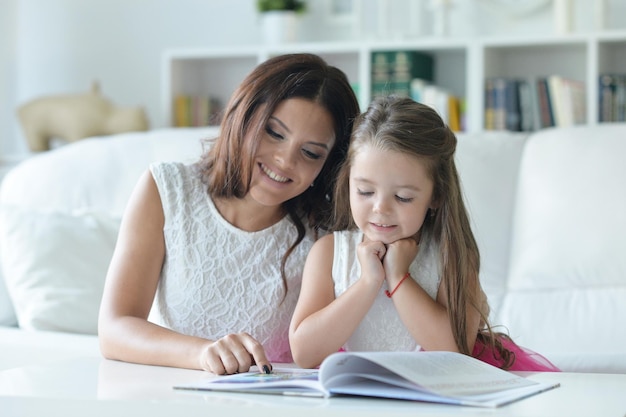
(549, 212)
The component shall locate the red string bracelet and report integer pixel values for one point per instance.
(389, 294)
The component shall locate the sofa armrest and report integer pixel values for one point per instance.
(25, 348)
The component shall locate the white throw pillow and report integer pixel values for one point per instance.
(55, 266)
(568, 268)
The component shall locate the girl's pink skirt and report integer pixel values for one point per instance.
(525, 359)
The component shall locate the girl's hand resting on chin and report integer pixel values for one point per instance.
(399, 256)
(370, 255)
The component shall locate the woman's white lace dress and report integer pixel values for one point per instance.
(381, 329)
(218, 279)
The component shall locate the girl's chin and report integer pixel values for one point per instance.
(386, 240)
(375, 237)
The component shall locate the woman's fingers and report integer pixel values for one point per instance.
(236, 353)
(257, 354)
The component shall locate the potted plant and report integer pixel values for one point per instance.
(298, 6)
(280, 19)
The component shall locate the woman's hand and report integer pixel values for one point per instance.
(370, 255)
(399, 256)
(234, 353)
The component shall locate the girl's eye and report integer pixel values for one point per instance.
(365, 193)
(273, 134)
(403, 199)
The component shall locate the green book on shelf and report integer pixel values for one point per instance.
(393, 71)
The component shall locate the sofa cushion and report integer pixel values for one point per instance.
(108, 166)
(568, 269)
(7, 313)
(93, 175)
(56, 266)
(488, 165)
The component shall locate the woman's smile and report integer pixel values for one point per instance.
(272, 175)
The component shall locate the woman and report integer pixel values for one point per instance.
(221, 243)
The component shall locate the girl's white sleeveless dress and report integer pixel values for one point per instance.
(381, 329)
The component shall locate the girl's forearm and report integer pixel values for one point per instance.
(327, 330)
(425, 319)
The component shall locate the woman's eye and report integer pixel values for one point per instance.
(273, 134)
(404, 199)
(311, 155)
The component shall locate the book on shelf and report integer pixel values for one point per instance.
(499, 104)
(612, 98)
(392, 71)
(619, 113)
(195, 110)
(568, 100)
(546, 116)
(437, 377)
(455, 109)
(512, 105)
(529, 116)
(490, 121)
(532, 103)
(529, 104)
(606, 88)
(411, 74)
(502, 104)
(449, 107)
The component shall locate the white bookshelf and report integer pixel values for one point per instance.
(461, 65)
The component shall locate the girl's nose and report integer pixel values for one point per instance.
(380, 205)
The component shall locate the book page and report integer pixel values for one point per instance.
(443, 373)
(285, 381)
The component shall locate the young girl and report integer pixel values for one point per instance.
(400, 272)
(219, 245)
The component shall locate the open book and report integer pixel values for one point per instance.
(441, 377)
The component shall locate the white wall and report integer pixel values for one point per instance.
(7, 75)
(63, 45)
(51, 47)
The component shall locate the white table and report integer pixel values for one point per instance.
(97, 387)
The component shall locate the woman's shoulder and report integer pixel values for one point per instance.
(174, 172)
(179, 184)
(170, 167)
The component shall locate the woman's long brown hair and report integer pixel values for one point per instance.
(228, 164)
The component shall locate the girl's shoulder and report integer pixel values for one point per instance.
(348, 237)
(325, 241)
(323, 247)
